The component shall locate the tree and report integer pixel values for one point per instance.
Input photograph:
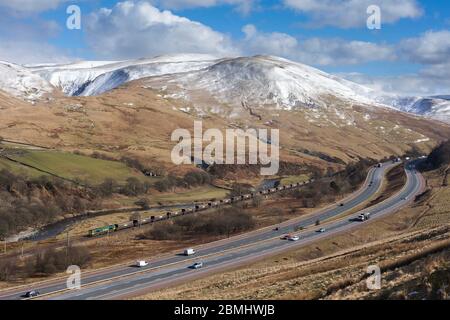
(238, 189)
(107, 187)
(440, 155)
(335, 187)
(162, 185)
(133, 187)
(144, 203)
(7, 269)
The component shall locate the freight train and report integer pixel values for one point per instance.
(197, 208)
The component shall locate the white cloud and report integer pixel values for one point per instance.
(432, 51)
(29, 52)
(407, 84)
(137, 29)
(25, 41)
(30, 6)
(437, 71)
(244, 6)
(338, 51)
(274, 43)
(432, 47)
(353, 13)
(314, 51)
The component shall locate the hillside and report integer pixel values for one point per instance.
(133, 120)
(324, 121)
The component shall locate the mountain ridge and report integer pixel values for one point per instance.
(259, 79)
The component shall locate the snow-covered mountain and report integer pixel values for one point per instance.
(266, 80)
(258, 80)
(20, 82)
(90, 78)
(437, 107)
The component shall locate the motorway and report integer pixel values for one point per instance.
(126, 281)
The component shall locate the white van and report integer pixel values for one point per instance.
(189, 252)
(141, 264)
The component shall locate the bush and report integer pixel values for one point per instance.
(8, 269)
(28, 202)
(52, 261)
(440, 156)
(163, 231)
(144, 203)
(238, 189)
(222, 222)
(107, 187)
(134, 187)
(190, 179)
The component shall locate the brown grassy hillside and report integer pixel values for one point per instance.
(136, 121)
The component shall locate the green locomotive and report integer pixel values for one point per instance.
(103, 230)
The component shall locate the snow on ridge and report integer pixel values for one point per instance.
(437, 107)
(68, 66)
(77, 79)
(258, 80)
(268, 80)
(20, 82)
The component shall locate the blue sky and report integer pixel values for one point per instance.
(409, 54)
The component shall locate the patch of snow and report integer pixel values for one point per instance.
(266, 80)
(90, 78)
(20, 82)
(437, 107)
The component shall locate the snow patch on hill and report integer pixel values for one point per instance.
(21, 82)
(267, 80)
(436, 107)
(90, 78)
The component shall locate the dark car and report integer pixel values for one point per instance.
(31, 294)
(197, 265)
(341, 205)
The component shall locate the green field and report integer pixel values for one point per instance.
(76, 167)
(19, 169)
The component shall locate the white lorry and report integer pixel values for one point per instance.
(363, 217)
(189, 252)
(141, 264)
